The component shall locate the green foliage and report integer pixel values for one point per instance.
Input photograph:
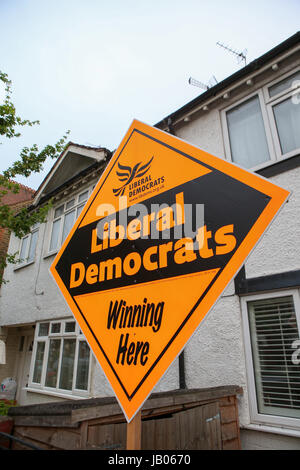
(31, 160)
(5, 405)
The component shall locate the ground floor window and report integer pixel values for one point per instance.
(273, 356)
(61, 358)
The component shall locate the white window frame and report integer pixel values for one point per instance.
(270, 103)
(25, 261)
(255, 416)
(41, 387)
(266, 104)
(53, 219)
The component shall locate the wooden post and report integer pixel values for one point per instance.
(134, 433)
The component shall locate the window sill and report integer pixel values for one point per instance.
(69, 396)
(280, 166)
(273, 429)
(23, 265)
(50, 253)
(282, 161)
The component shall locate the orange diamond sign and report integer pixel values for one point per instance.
(165, 230)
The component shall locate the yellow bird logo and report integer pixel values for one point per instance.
(128, 174)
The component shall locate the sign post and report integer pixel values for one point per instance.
(165, 230)
(134, 433)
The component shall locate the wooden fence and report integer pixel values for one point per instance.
(180, 419)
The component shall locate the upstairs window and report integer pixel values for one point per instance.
(283, 102)
(64, 219)
(265, 126)
(247, 136)
(28, 246)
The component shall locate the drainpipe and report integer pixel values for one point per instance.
(181, 360)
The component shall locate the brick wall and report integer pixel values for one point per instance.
(16, 201)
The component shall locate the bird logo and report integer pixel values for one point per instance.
(128, 174)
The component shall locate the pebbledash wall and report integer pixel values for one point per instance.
(222, 351)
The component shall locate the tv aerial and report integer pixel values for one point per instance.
(212, 81)
(241, 56)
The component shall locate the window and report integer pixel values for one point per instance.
(265, 126)
(284, 112)
(272, 341)
(61, 358)
(248, 142)
(28, 246)
(64, 219)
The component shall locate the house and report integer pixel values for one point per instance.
(251, 336)
(15, 201)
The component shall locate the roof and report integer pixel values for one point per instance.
(70, 181)
(25, 194)
(211, 92)
(74, 150)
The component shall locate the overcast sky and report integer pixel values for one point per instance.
(93, 66)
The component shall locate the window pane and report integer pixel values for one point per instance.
(83, 366)
(247, 134)
(83, 196)
(273, 328)
(59, 211)
(70, 204)
(68, 223)
(32, 246)
(55, 328)
(283, 85)
(79, 209)
(70, 327)
(43, 329)
(39, 358)
(23, 250)
(67, 365)
(55, 234)
(287, 117)
(53, 358)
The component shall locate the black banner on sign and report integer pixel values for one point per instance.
(229, 207)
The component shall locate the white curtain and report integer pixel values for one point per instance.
(287, 117)
(247, 134)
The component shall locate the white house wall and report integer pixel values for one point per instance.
(279, 249)
(205, 132)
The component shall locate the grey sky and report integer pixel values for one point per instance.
(92, 66)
